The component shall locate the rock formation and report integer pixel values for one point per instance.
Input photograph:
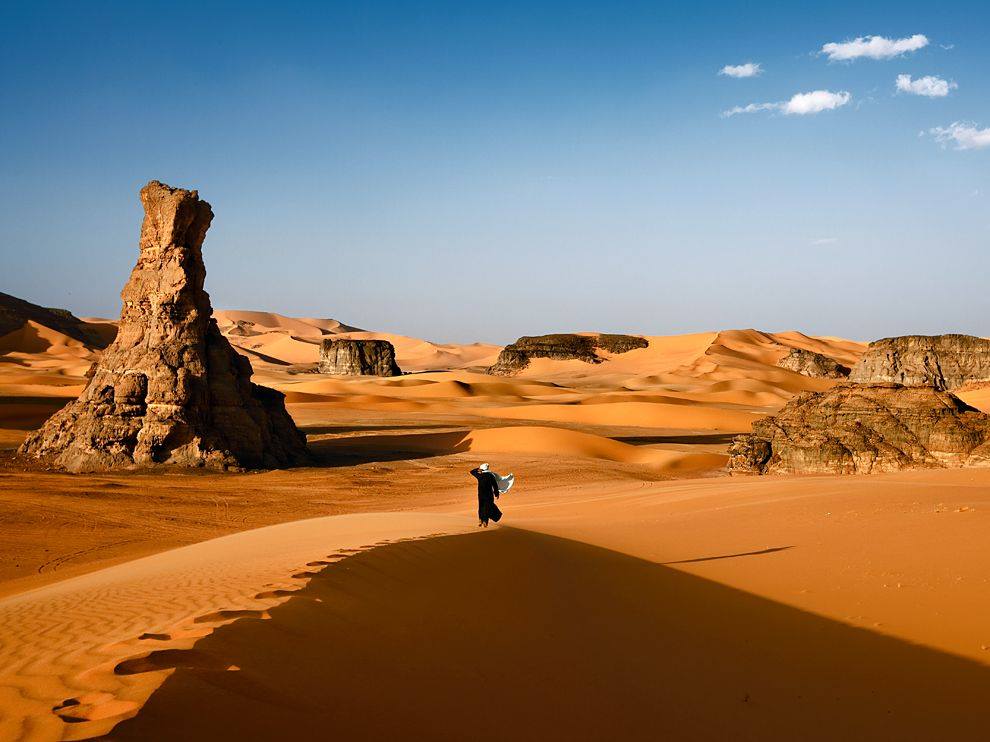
(813, 364)
(170, 390)
(14, 313)
(347, 357)
(561, 347)
(941, 361)
(862, 428)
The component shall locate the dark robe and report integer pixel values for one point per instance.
(487, 493)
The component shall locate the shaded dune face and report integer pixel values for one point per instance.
(15, 313)
(516, 635)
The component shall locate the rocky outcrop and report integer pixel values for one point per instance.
(14, 313)
(815, 365)
(170, 390)
(241, 328)
(347, 357)
(941, 361)
(562, 347)
(862, 428)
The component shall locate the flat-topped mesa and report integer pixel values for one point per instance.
(562, 347)
(349, 357)
(941, 361)
(170, 390)
(863, 428)
(815, 365)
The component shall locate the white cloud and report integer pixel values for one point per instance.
(964, 135)
(815, 102)
(749, 69)
(825, 241)
(929, 86)
(751, 108)
(873, 47)
(800, 104)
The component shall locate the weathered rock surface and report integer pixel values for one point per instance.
(348, 357)
(862, 428)
(812, 364)
(170, 390)
(14, 313)
(941, 361)
(561, 347)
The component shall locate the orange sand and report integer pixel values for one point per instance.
(633, 591)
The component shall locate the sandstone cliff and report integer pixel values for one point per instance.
(347, 357)
(942, 361)
(815, 365)
(170, 390)
(561, 347)
(857, 429)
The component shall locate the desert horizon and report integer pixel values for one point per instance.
(626, 452)
(523, 371)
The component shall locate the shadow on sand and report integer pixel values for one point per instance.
(772, 550)
(699, 439)
(516, 635)
(28, 413)
(367, 449)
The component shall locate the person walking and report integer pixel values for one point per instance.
(490, 486)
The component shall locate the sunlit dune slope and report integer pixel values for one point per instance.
(527, 439)
(274, 338)
(720, 381)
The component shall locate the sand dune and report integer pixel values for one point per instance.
(33, 339)
(269, 321)
(277, 347)
(699, 609)
(720, 380)
(413, 354)
(977, 395)
(59, 644)
(707, 381)
(273, 338)
(534, 440)
(639, 414)
(514, 635)
(590, 444)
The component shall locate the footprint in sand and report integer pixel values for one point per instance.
(173, 659)
(268, 594)
(230, 615)
(91, 707)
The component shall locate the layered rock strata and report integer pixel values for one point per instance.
(941, 361)
(562, 347)
(815, 365)
(347, 357)
(170, 390)
(863, 428)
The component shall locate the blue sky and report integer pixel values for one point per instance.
(479, 171)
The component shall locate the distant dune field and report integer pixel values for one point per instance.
(632, 586)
